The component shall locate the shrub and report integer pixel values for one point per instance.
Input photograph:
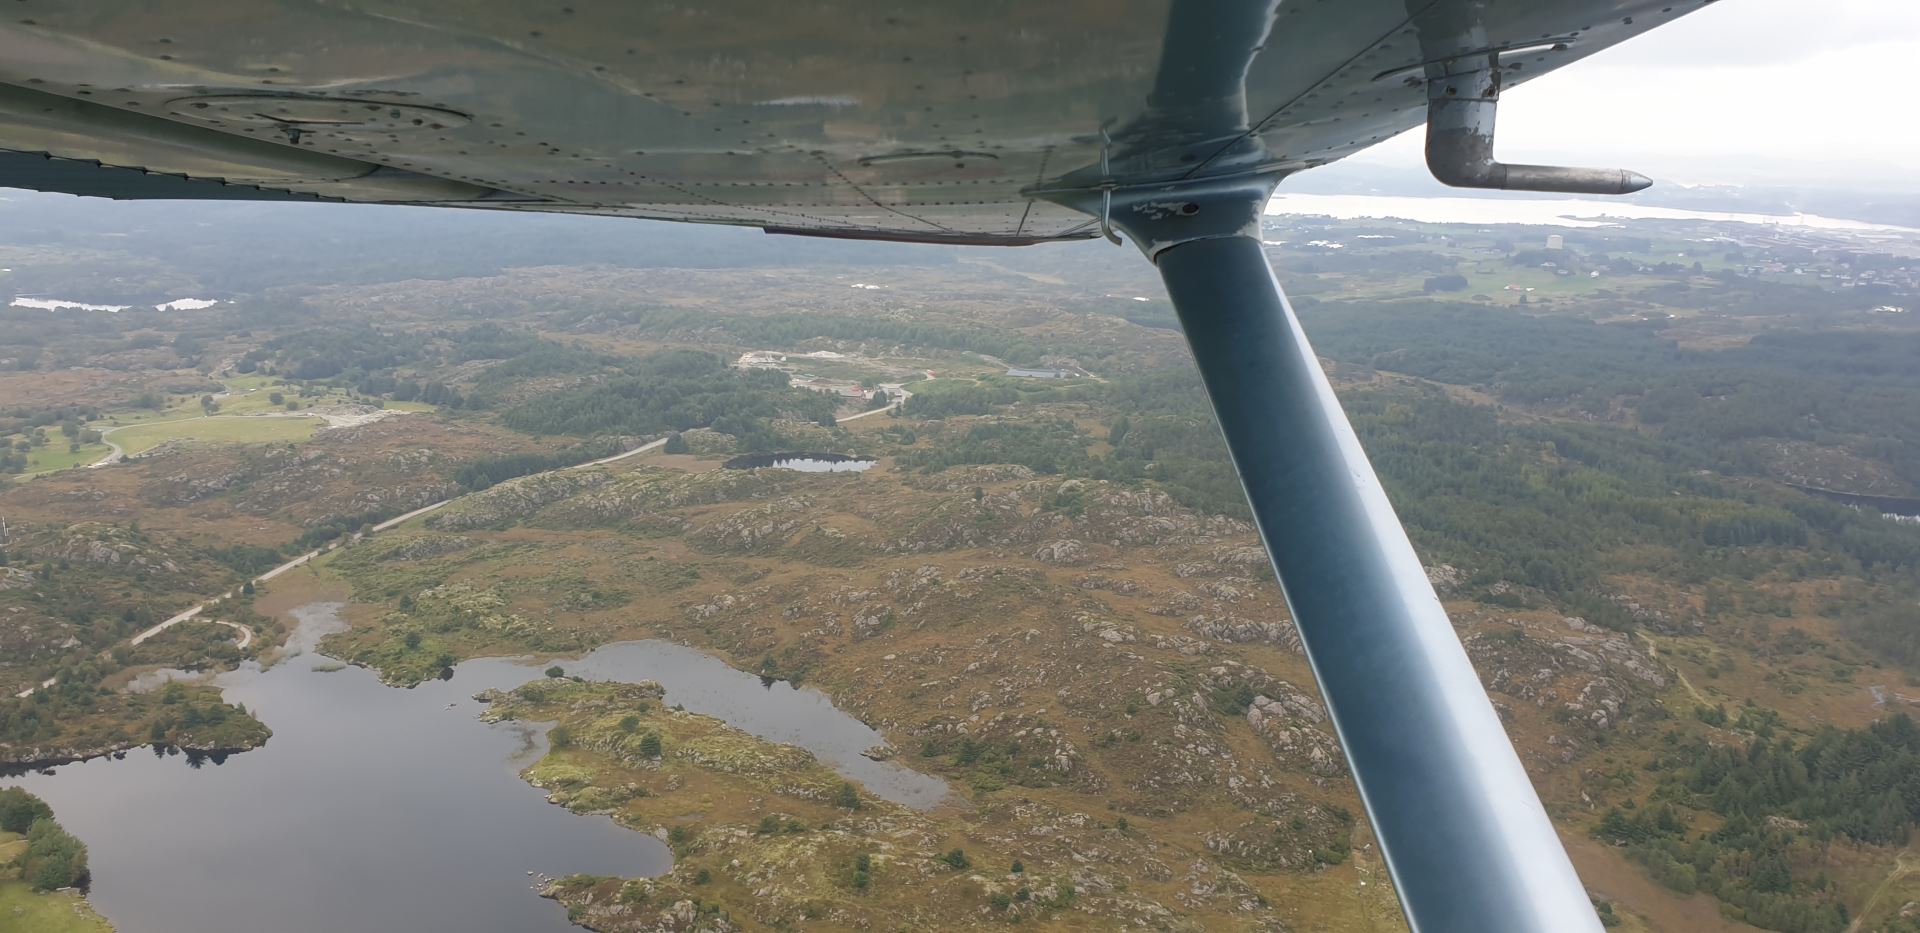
(848, 797)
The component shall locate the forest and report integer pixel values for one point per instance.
(1780, 804)
(1827, 387)
(675, 390)
(483, 472)
(1553, 506)
(669, 390)
(53, 858)
(785, 329)
(396, 364)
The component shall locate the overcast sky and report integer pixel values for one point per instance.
(1740, 91)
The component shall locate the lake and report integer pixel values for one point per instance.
(379, 808)
(61, 304)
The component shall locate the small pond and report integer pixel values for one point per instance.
(804, 462)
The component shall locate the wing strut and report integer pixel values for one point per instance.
(1468, 844)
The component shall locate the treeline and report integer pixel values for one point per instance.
(1830, 388)
(1553, 506)
(675, 390)
(327, 351)
(1521, 358)
(788, 329)
(947, 398)
(19, 419)
(1168, 435)
(396, 364)
(1781, 804)
(53, 858)
(39, 716)
(31, 338)
(15, 451)
(76, 712)
(1885, 626)
(98, 605)
(487, 471)
(331, 527)
(1052, 446)
(249, 559)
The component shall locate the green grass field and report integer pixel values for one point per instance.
(249, 394)
(23, 909)
(243, 395)
(248, 383)
(27, 912)
(220, 429)
(56, 456)
(140, 430)
(1545, 283)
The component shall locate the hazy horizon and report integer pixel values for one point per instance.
(1708, 99)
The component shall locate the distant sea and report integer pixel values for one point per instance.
(1557, 212)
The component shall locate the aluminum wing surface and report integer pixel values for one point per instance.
(932, 121)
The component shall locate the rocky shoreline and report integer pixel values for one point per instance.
(37, 759)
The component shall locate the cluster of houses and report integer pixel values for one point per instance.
(847, 390)
(1843, 260)
(1055, 373)
(841, 388)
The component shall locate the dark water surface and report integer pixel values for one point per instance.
(1897, 506)
(804, 462)
(375, 808)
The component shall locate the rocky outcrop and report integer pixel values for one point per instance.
(1445, 578)
(423, 547)
(1065, 552)
(1122, 515)
(1290, 725)
(644, 493)
(963, 478)
(756, 530)
(1659, 620)
(1588, 675)
(1239, 631)
(708, 442)
(112, 546)
(514, 499)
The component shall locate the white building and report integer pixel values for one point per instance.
(760, 359)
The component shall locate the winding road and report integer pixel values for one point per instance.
(115, 453)
(246, 634)
(898, 403)
(876, 411)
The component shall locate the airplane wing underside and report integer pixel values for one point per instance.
(983, 122)
(892, 120)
